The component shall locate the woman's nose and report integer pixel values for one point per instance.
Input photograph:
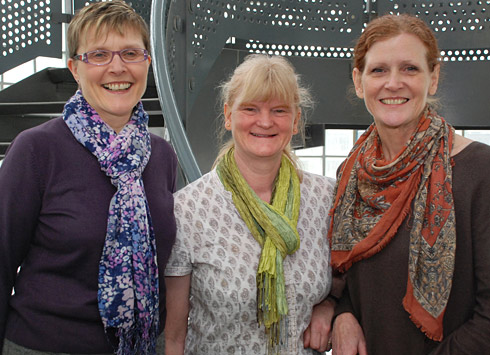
(117, 64)
(265, 119)
(395, 81)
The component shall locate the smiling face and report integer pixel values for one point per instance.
(261, 129)
(113, 89)
(396, 82)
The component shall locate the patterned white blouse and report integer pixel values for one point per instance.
(215, 246)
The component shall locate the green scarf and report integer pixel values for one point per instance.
(274, 228)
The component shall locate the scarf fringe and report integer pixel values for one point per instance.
(421, 318)
(278, 339)
(135, 341)
(272, 307)
(423, 329)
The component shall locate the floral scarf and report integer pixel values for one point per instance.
(373, 197)
(128, 273)
(274, 228)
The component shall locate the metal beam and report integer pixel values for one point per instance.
(173, 121)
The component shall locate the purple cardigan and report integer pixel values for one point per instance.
(54, 201)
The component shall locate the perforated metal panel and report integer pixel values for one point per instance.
(27, 31)
(459, 55)
(457, 24)
(315, 28)
(142, 7)
(206, 39)
(291, 50)
(308, 28)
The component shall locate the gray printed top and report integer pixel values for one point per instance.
(215, 246)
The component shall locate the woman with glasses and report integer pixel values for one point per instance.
(77, 197)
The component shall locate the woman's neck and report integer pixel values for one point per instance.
(393, 141)
(460, 143)
(260, 175)
(116, 123)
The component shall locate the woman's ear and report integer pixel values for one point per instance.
(73, 66)
(227, 114)
(296, 122)
(357, 79)
(434, 79)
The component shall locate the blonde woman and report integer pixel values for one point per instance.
(250, 270)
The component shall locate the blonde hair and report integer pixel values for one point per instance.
(105, 16)
(262, 78)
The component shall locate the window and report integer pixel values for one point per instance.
(338, 143)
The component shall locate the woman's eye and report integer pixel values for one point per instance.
(412, 68)
(377, 70)
(99, 55)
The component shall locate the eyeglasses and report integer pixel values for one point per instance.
(104, 57)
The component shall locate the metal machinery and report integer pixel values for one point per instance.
(197, 44)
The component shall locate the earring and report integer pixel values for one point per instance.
(228, 124)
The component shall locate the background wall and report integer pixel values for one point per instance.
(204, 40)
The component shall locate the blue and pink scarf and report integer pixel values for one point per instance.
(128, 273)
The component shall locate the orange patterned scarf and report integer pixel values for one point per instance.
(373, 198)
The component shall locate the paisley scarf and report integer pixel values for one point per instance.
(128, 274)
(274, 227)
(373, 198)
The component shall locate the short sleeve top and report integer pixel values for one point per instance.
(215, 246)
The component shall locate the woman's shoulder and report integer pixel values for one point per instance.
(162, 154)
(471, 166)
(310, 179)
(317, 187)
(201, 196)
(208, 185)
(460, 143)
(46, 130)
(46, 136)
(159, 144)
(474, 151)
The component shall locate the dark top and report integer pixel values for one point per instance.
(54, 201)
(375, 287)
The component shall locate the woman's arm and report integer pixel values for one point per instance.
(347, 335)
(20, 202)
(318, 333)
(177, 298)
(473, 336)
